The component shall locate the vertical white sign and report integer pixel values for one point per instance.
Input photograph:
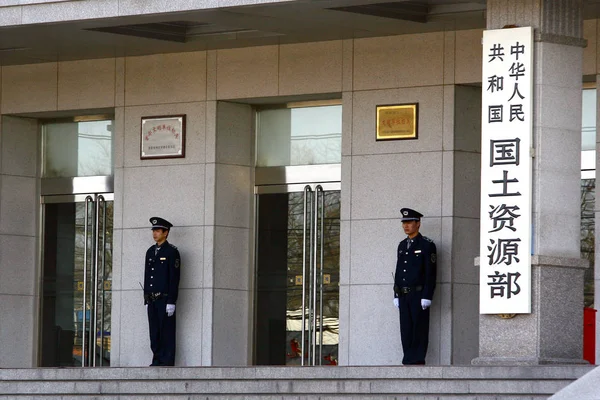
(506, 165)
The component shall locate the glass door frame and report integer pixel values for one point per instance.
(313, 181)
(75, 190)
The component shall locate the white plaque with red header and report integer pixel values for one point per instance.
(163, 137)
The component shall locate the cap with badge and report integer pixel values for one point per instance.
(410, 215)
(160, 223)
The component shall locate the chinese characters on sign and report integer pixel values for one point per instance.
(506, 131)
(163, 137)
(397, 122)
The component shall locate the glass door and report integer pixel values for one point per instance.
(297, 275)
(76, 281)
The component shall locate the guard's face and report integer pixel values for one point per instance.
(411, 227)
(159, 235)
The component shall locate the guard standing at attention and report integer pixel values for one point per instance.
(161, 287)
(414, 283)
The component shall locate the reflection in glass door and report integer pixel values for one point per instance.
(76, 283)
(297, 303)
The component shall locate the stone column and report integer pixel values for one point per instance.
(552, 333)
(19, 238)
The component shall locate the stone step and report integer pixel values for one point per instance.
(423, 383)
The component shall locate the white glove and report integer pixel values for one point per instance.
(170, 310)
(396, 302)
(425, 303)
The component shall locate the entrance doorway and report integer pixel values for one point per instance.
(297, 274)
(297, 222)
(77, 280)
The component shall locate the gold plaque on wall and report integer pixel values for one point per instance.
(395, 122)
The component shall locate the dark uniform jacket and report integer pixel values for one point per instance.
(162, 272)
(416, 266)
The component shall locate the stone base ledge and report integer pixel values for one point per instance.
(526, 361)
(552, 261)
(559, 39)
(295, 373)
(565, 262)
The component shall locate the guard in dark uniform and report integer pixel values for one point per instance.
(161, 287)
(414, 283)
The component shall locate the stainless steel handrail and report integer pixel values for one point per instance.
(102, 250)
(88, 199)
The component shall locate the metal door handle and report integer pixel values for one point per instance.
(88, 200)
(307, 191)
(313, 273)
(318, 189)
(102, 203)
(94, 280)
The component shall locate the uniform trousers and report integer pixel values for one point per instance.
(414, 328)
(162, 333)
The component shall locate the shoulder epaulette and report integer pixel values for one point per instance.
(426, 238)
(173, 246)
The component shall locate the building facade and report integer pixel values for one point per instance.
(280, 100)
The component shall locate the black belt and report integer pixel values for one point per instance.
(156, 296)
(408, 289)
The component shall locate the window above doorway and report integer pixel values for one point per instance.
(77, 147)
(299, 134)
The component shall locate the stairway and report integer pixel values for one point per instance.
(298, 383)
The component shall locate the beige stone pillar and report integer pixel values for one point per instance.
(552, 333)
